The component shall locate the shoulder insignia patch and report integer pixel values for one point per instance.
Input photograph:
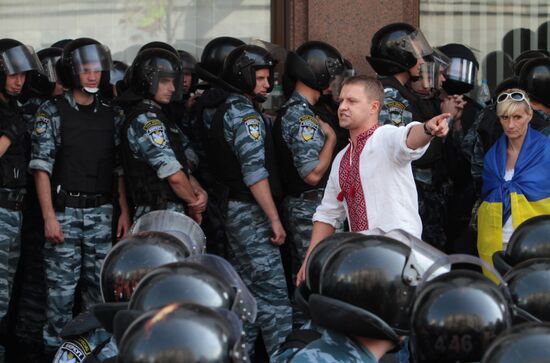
(252, 123)
(395, 111)
(40, 124)
(73, 351)
(156, 132)
(308, 127)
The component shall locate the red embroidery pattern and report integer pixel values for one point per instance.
(350, 183)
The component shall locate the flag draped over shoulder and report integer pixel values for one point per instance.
(525, 196)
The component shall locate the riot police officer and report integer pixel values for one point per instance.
(242, 157)
(30, 274)
(152, 145)
(305, 144)
(74, 165)
(16, 61)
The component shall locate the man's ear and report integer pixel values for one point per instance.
(375, 106)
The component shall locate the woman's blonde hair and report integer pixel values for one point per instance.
(509, 105)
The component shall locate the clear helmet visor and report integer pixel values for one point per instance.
(462, 70)
(428, 75)
(414, 43)
(91, 58)
(177, 224)
(19, 59)
(48, 65)
(238, 353)
(245, 304)
(423, 256)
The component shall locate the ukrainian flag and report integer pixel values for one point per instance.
(525, 196)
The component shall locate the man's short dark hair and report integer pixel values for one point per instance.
(373, 87)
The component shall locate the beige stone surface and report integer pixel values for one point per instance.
(346, 24)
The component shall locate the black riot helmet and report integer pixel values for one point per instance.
(180, 282)
(315, 263)
(158, 44)
(530, 240)
(83, 55)
(118, 72)
(367, 285)
(240, 66)
(215, 52)
(460, 76)
(315, 64)
(455, 317)
(133, 257)
(184, 333)
(525, 343)
(529, 285)
(152, 64)
(42, 84)
(526, 56)
(177, 224)
(396, 47)
(534, 77)
(188, 281)
(15, 57)
(189, 64)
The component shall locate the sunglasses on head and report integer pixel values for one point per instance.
(514, 96)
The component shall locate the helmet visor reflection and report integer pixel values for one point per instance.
(20, 59)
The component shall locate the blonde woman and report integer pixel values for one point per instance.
(516, 175)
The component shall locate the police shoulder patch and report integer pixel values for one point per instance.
(252, 123)
(40, 124)
(308, 127)
(73, 351)
(156, 132)
(395, 111)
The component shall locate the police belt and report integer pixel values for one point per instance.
(83, 200)
(314, 195)
(12, 200)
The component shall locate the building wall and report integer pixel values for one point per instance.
(346, 24)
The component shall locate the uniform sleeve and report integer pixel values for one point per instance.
(246, 135)
(119, 121)
(148, 140)
(44, 138)
(190, 153)
(304, 138)
(394, 111)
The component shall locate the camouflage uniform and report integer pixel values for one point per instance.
(10, 246)
(304, 138)
(157, 152)
(248, 229)
(96, 345)
(12, 189)
(285, 354)
(334, 348)
(87, 231)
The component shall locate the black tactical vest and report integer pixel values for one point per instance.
(86, 159)
(13, 164)
(142, 183)
(226, 167)
(292, 182)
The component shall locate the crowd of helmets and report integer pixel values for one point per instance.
(166, 300)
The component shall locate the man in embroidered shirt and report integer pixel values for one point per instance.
(371, 181)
